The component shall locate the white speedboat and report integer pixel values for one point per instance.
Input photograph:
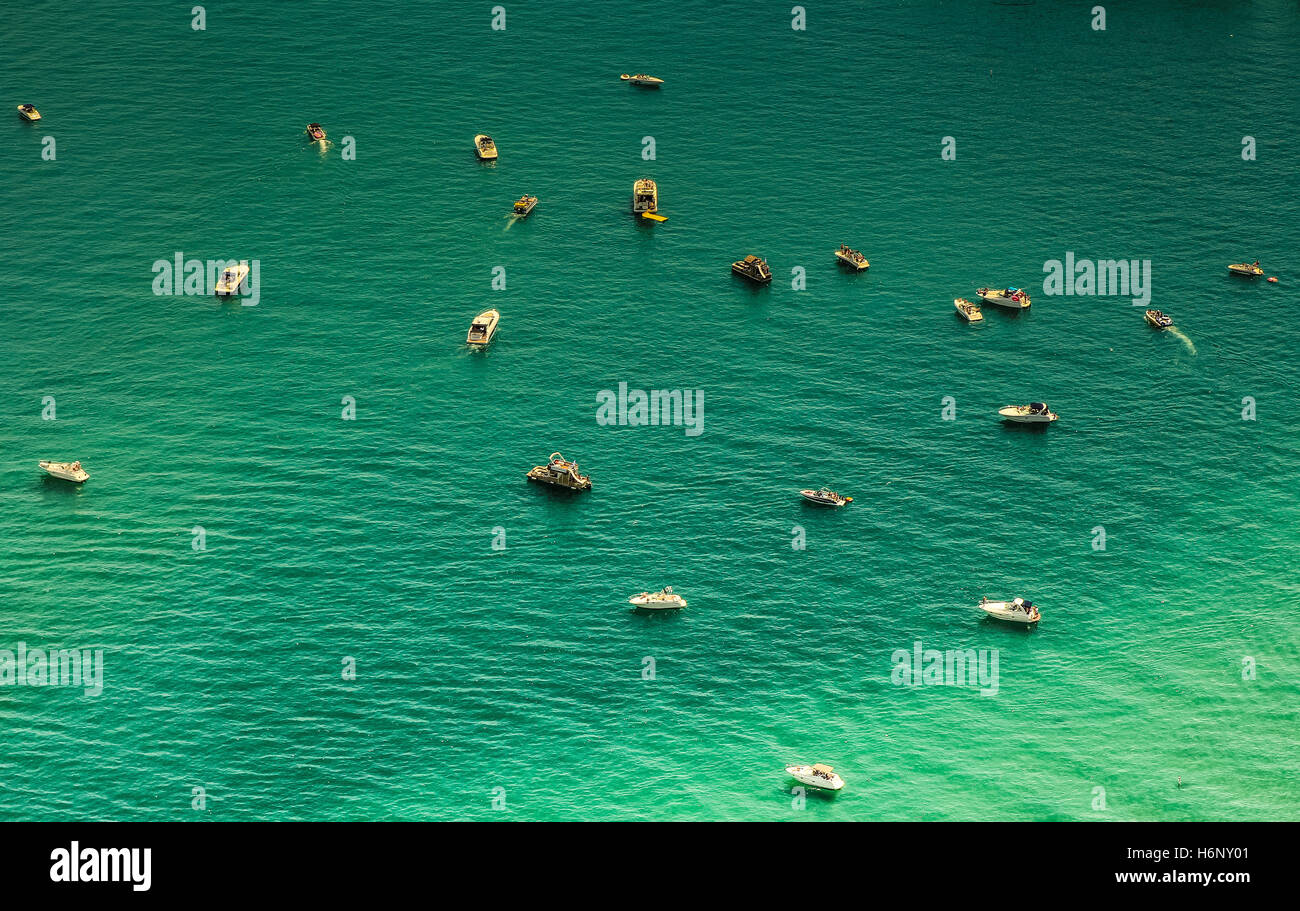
(968, 310)
(228, 284)
(485, 148)
(1017, 610)
(642, 79)
(1158, 319)
(850, 257)
(645, 196)
(483, 328)
(660, 600)
(1251, 269)
(67, 471)
(816, 776)
(824, 497)
(1013, 298)
(1033, 413)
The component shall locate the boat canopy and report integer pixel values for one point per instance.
(823, 768)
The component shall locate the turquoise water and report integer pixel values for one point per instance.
(521, 668)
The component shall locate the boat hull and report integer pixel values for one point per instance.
(644, 604)
(1001, 610)
(63, 471)
(1017, 418)
(804, 775)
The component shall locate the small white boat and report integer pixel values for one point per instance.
(850, 257)
(485, 148)
(483, 328)
(29, 113)
(228, 284)
(1251, 269)
(824, 497)
(816, 776)
(660, 600)
(1017, 610)
(1158, 319)
(642, 79)
(1033, 413)
(645, 196)
(67, 471)
(1012, 298)
(968, 310)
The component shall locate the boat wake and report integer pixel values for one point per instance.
(1186, 341)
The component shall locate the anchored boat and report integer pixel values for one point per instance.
(66, 471)
(230, 279)
(816, 776)
(664, 599)
(968, 310)
(525, 204)
(316, 132)
(483, 328)
(1158, 320)
(1012, 298)
(559, 472)
(485, 148)
(1251, 269)
(754, 268)
(645, 196)
(1033, 413)
(1017, 610)
(29, 113)
(642, 79)
(824, 497)
(852, 258)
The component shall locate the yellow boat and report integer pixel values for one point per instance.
(485, 148)
(29, 112)
(1251, 269)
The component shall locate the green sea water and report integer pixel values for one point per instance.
(1174, 653)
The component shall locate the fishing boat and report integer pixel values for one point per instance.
(968, 310)
(1251, 269)
(753, 268)
(816, 776)
(525, 204)
(1033, 413)
(663, 599)
(29, 113)
(642, 79)
(485, 148)
(65, 471)
(230, 279)
(1017, 610)
(483, 328)
(559, 472)
(1012, 298)
(316, 132)
(824, 496)
(1158, 320)
(645, 196)
(853, 258)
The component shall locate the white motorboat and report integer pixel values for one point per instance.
(1251, 269)
(816, 776)
(660, 600)
(1017, 610)
(824, 496)
(1158, 319)
(1033, 413)
(642, 79)
(230, 279)
(483, 328)
(67, 471)
(968, 310)
(1013, 298)
(485, 148)
(850, 257)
